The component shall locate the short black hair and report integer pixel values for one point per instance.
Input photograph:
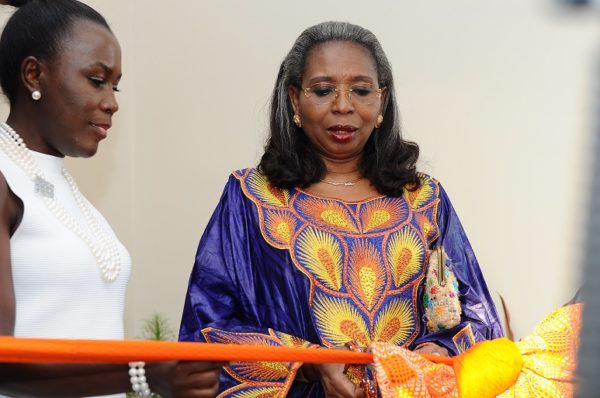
(37, 29)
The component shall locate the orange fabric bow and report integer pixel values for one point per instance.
(540, 365)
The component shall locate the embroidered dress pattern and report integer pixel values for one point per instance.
(258, 379)
(464, 339)
(275, 262)
(364, 261)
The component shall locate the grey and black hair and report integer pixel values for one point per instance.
(37, 29)
(290, 160)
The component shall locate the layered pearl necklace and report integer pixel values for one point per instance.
(102, 245)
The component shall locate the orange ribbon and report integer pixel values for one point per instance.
(542, 364)
(17, 349)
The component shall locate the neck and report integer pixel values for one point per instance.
(344, 173)
(29, 129)
(347, 167)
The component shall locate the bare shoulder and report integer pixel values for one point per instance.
(11, 207)
(4, 200)
(7, 226)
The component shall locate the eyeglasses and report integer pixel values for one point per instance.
(325, 94)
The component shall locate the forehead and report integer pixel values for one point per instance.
(88, 42)
(339, 61)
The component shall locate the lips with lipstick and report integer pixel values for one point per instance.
(101, 128)
(342, 133)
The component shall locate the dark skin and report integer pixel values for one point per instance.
(343, 64)
(15, 3)
(78, 101)
(11, 211)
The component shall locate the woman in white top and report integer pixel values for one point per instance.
(63, 272)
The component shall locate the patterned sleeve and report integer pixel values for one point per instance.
(219, 306)
(477, 319)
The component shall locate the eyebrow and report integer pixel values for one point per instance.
(317, 79)
(106, 68)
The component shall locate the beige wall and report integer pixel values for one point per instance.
(498, 95)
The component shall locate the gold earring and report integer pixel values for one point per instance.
(297, 121)
(379, 121)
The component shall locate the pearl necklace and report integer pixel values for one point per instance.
(101, 244)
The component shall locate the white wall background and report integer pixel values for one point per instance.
(498, 94)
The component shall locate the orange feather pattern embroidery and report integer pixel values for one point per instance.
(266, 192)
(395, 322)
(405, 255)
(367, 275)
(321, 254)
(327, 213)
(339, 321)
(281, 225)
(382, 213)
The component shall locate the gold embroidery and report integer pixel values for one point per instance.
(339, 321)
(395, 323)
(378, 218)
(283, 230)
(328, 213)
(382, 213)
(334, 217)
(464, 339)
(367, 279)
(426, 225)
(421, 196)
(260, 392)
(321, 254)
(405, 255)
(258, 379)
(280, 226)
(367, 275)
(262, 371)
(266, 192)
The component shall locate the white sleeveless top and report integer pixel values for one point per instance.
(58, 286)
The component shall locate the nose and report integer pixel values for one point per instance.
(110, 104)
(342, 102)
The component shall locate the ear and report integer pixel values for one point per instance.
(31, 72)
(384, 94)
(294, 94)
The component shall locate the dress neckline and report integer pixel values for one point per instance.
(48, 163)
(346, 202)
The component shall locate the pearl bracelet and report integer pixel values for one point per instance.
(139, 385)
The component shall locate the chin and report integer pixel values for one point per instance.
(83, 152)
(91, 152)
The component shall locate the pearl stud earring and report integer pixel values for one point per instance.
(36, 95)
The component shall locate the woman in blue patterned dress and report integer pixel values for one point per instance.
(327, 242)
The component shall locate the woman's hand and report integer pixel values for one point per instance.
(333, 378)
(185, 379)
(335, 383)
(431, 349)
